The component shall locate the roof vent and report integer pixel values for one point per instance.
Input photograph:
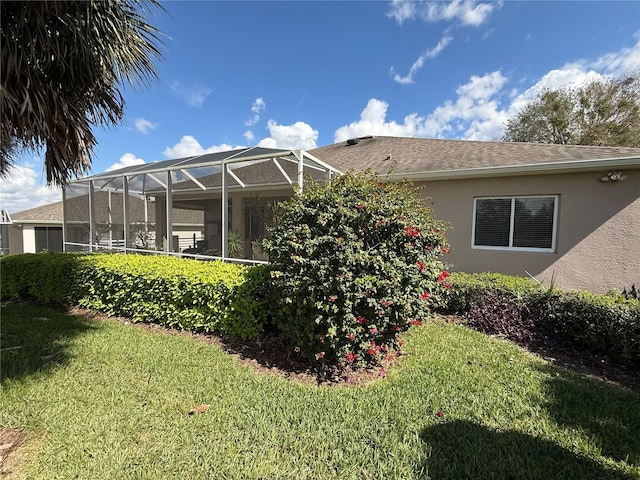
(353, 141)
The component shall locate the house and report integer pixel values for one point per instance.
(565, 213)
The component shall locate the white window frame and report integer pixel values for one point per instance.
(511, 248)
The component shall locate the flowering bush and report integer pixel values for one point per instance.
(354, 263)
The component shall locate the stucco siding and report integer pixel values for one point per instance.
(598, 228)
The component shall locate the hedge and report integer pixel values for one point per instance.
(235, 300)
(523, 310)
(175, 292)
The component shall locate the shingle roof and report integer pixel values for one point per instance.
(418, 155)
(51, 212)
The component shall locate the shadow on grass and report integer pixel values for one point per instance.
(35, 339)
(610, 415)
(465, 450)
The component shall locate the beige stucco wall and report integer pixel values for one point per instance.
(598, 233)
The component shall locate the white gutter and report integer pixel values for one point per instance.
(528, 169)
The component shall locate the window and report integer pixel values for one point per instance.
(515, 223)
(48, 238)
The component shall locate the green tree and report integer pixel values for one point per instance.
(603, 112)
(63, 63)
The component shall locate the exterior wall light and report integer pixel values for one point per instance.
(613, 176)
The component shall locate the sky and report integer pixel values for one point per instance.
(302, 74)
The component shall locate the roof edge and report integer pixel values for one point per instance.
(527, 169)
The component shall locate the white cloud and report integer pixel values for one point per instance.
(143, 125)
(625, 61)
(467, 12)
(126, 160)
(257, 108)
(300, 135)
(194, 95)
(419, 63)
(401, 10)
(373, 122)
(474, 115)
(188, 146)
(20, 190)
(249, 136)
(483, 105)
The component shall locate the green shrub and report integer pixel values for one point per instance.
(45, 277)
(354, 263)
(180, 293)
(520, 309)
(469, 289)
(608, 324)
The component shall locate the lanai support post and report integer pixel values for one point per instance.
(125, 211)
(300, 157)
(92, 216)
(225, 212)
(64, 219)
(169, 247)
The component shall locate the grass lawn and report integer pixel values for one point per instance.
(114, 400)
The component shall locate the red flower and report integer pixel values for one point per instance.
(350, 357)
(424, 295)
(360, 207)
(385, 302)
(371, 351)
(332, 298)
(443, 276)
(320, 355)
(421, 265)
(445, 250)
(447, 286)
(351, 337)
(373, 329)
(412, 231)
(396, 328)
(362, 320)
(416, 322)
(440, 413)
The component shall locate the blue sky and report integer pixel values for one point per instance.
(300, 74)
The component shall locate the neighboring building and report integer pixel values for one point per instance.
(40, 228)
(5, 222)
(563, 212)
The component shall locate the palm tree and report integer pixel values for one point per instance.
(63, 63)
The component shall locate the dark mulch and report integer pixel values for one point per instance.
(585, 362)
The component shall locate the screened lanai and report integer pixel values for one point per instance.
(215, 205)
